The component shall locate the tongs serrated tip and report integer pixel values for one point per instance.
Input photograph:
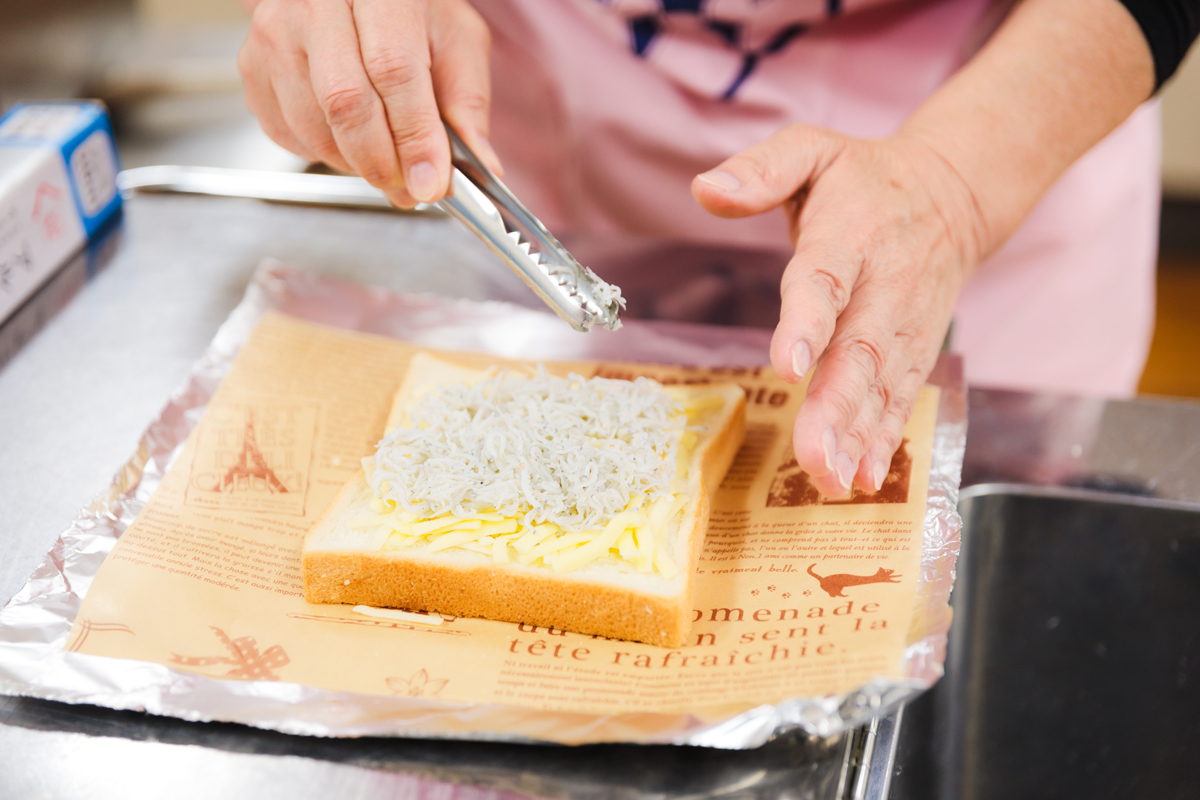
(484, 205)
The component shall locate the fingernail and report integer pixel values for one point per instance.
(400, 200)
(801, 359)
(421, 181)
(880, 470)
(721, 179)
(845, 470)
(829, 445)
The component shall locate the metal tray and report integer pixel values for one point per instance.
(1071, 667)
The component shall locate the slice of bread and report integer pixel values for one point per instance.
(609, 596)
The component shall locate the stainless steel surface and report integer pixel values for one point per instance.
(1070, 668)
(1147, 447)
(1097, 472)
(858, 787)
(877, 782)
(126, 754)
(856, 742)
(116, 760)
(488, 209)
(868, 758)
(282, 187)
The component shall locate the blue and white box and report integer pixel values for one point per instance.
(58, 188)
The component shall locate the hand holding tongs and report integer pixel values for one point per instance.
(480, 201)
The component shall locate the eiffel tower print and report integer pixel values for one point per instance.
(251, 465)
(254, 455)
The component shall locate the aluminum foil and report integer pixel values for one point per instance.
(35, 623)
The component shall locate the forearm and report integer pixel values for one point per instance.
(1054, 80)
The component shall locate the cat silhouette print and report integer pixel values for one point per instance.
(833, 584)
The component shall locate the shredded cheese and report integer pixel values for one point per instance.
(402, 616)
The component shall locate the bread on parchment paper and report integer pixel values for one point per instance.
(347, 560)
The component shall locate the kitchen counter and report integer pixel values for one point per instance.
(79, 393)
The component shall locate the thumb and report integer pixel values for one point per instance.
(761, 177)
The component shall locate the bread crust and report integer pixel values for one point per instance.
(539, 596)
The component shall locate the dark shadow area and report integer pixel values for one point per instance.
(1071, 667)
(793, 766)
(688, 282)
(1179, 228)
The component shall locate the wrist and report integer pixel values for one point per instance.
(1055, 78)
(963, 216)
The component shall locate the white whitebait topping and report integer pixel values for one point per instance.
(570, 451)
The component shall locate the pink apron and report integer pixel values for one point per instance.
(604, 111)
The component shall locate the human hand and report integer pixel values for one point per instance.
(885, 234)
(363, 86)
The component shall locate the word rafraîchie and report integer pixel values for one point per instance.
(571, 451)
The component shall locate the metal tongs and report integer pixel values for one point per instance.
(480, 201)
